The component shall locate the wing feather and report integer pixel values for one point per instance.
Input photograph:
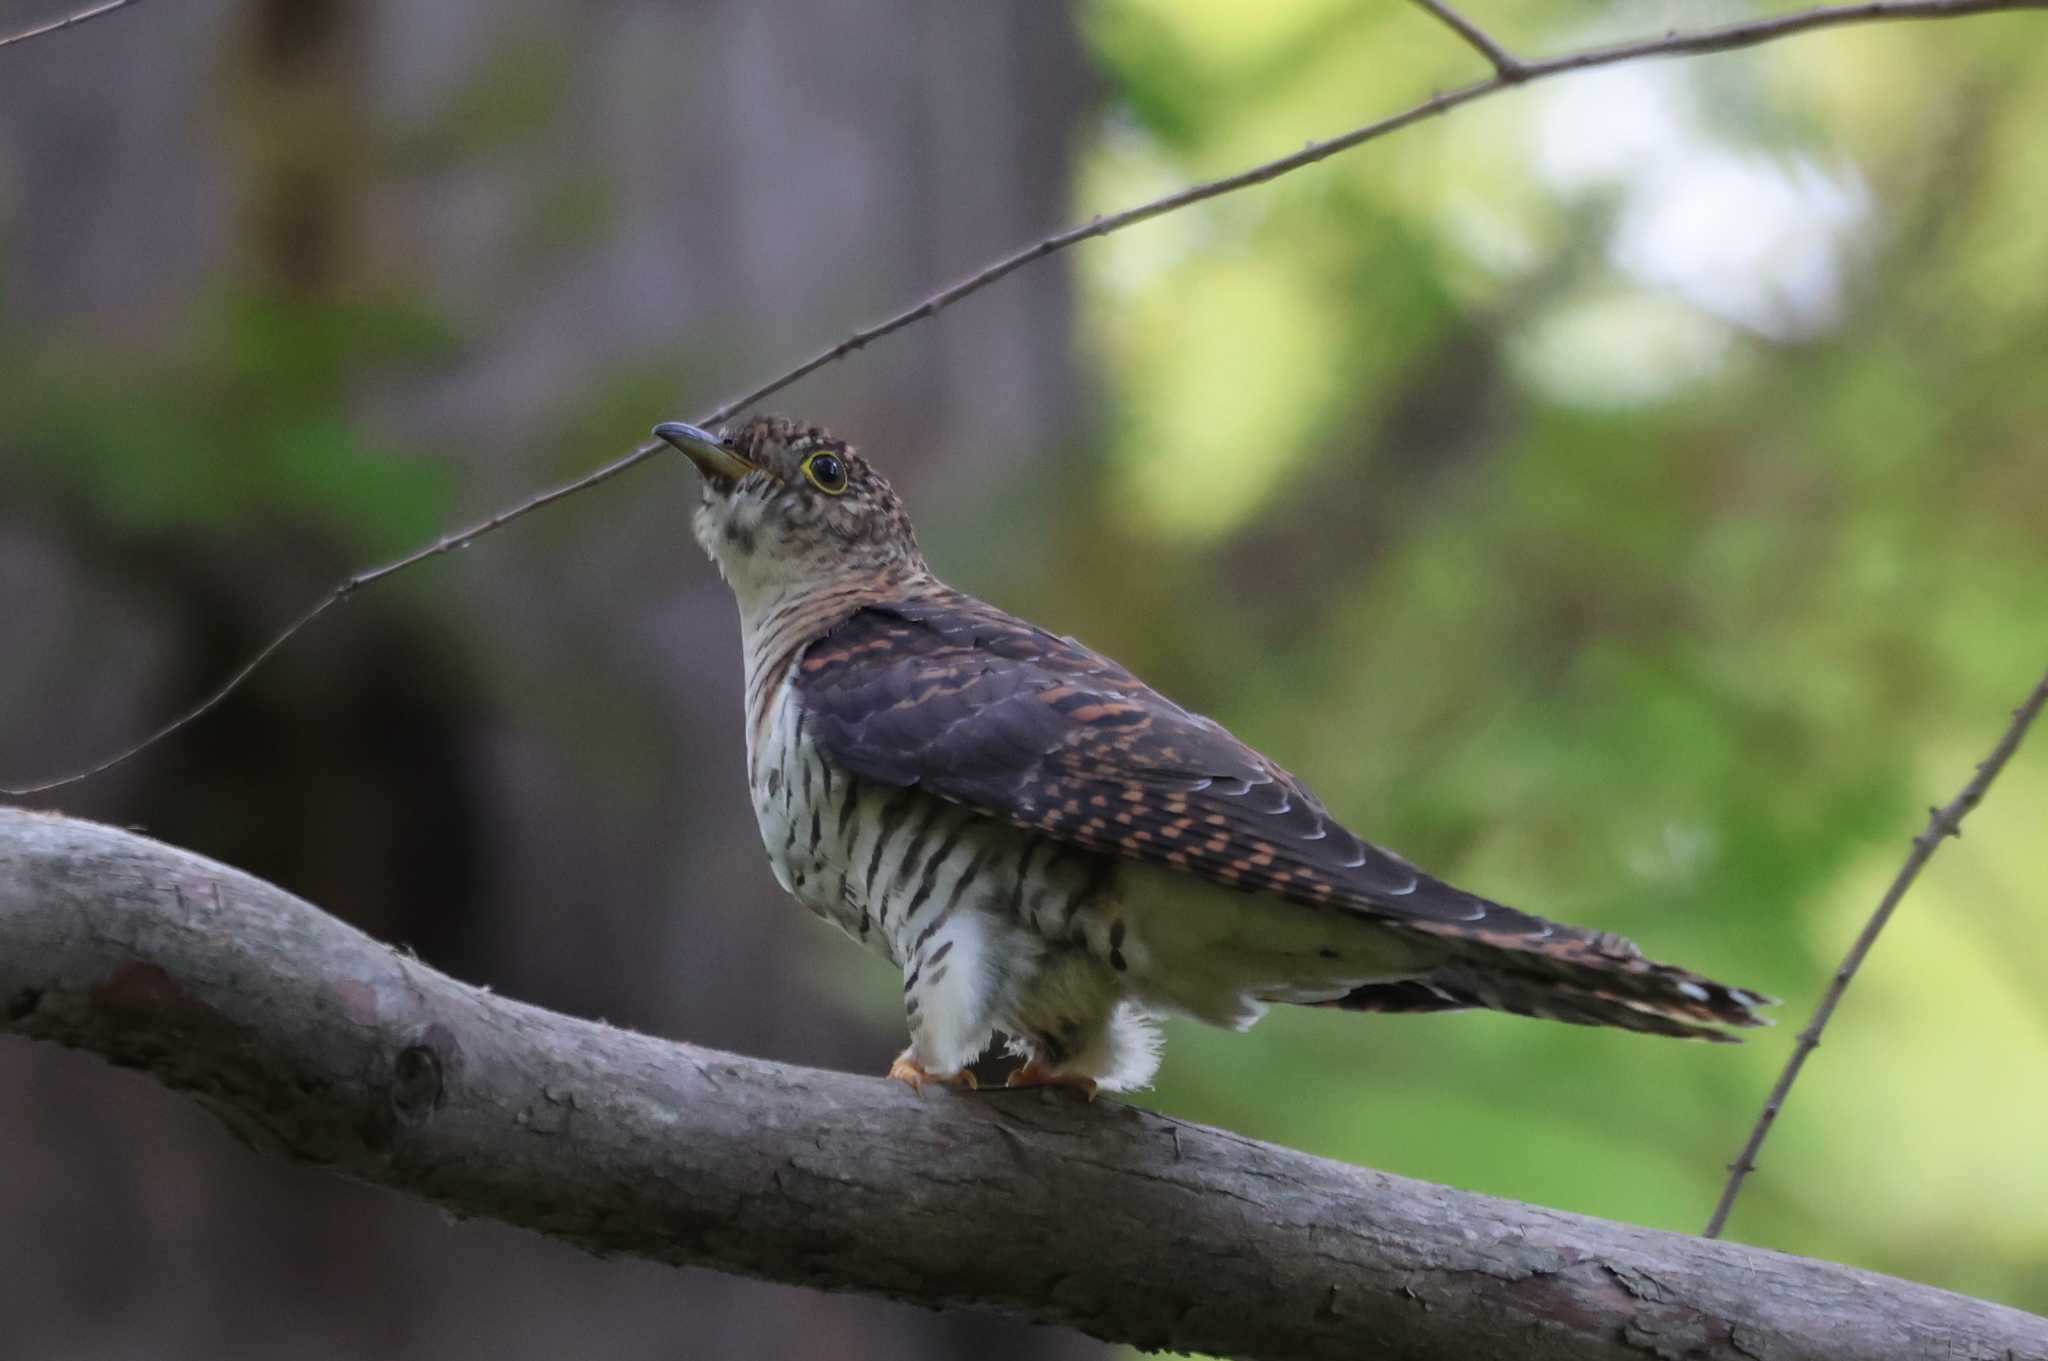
(989, 712)
(954, 696)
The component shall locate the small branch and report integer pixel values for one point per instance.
(313, 1042)
(1942, 823)
(1505, 64)
(67, 21)
(448, 543)
(1722, 39)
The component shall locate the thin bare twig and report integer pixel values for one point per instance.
(1505, 63)
(1942, 823)
(446, 544)
(1722, 39)
(1725, 38)
(66, 22)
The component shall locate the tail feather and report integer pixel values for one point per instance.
(1572, 976)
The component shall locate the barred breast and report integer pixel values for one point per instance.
(993, 928)
(891, 866)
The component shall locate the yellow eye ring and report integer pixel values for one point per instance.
(826, 471)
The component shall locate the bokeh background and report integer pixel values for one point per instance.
(1626, 496)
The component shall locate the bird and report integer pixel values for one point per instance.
(1050, 850)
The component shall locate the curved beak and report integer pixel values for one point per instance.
(705, 450)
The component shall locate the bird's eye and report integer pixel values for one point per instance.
(827, 472)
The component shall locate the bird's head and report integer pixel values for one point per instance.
(788, 508)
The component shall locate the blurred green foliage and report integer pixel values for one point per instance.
(252, 424)
(1551, 556)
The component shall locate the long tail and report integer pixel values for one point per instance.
(1573, 976)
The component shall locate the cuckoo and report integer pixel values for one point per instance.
(1054, 852)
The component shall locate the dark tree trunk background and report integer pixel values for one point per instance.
(825, 163)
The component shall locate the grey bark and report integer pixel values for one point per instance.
(316, 1042)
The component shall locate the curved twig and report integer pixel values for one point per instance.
(1722, 39)
(1505, 63)
(447, 543)
(314, 1042)
(68, 21)
(1942, 823)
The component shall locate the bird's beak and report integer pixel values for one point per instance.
(704, 449)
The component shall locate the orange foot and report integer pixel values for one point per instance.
(1035, 1074)
(908, 1069)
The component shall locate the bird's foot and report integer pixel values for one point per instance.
(1032, 1073)
(907, 1069)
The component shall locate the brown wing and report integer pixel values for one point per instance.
(980, 708)
(985, 710)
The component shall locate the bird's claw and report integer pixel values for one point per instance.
(1032, 1073)
(908, 1070)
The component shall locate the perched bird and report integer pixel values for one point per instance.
(1050, 849)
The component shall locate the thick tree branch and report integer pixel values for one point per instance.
(1508, 71)
(1942, 823)
(315, 1042)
